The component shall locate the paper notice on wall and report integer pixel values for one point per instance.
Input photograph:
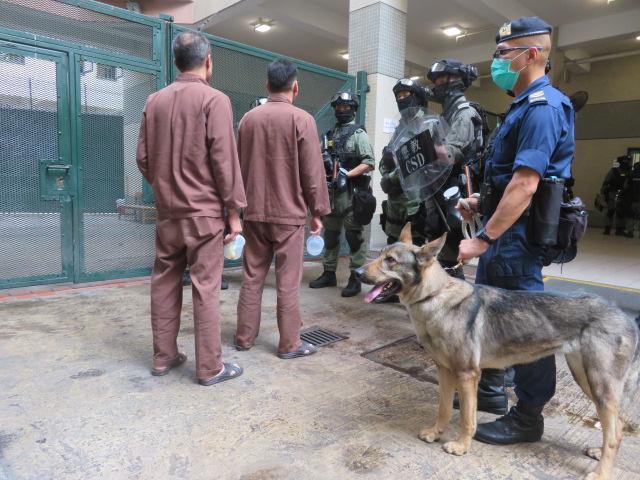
(390, 125)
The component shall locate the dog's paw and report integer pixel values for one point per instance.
(455, 448)
(429, 434)
(594, 452)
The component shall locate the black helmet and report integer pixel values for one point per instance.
(258, 101)
(414, 87)
(448, 66)
(345, 97)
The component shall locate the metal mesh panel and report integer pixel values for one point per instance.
(118, 227)
(58, 20)
(29, 226)
(242, 77)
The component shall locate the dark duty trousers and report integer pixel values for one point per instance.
(195, 241)
(535, 382)
(264, 240)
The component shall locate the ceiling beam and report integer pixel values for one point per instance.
(584, 31)
(474, 54)
(207, 13)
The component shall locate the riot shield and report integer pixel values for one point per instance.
(418, 146)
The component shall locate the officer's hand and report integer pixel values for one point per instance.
(235, 226)
(468, 207)
(316, 226)
(387, 160)
(471, 249)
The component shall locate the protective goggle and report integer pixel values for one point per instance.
(407, 82)
(438, 67)
(342, 96)
(500, 52)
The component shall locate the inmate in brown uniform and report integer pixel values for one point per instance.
(187, 152)
(284, 177)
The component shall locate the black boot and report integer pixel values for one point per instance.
(327, 279)
(492, 396)
(518, 426)
(224, 285)
(607, 231)
(186, 279)
(353, 287)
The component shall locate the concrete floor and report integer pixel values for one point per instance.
(77, 401)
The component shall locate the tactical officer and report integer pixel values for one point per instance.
(348, 162)
(613, 190)
(398, 208)
(464, 143)
(634, 198)
(535, 141)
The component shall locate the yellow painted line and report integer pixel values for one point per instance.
(593, 284)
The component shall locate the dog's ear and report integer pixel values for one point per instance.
(432, 248)
(405, 235)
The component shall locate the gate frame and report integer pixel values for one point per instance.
(162, 67)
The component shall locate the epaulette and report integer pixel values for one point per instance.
(464, 105)
(537, 97)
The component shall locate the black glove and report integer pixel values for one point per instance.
(390, 186)
(328, 163)
(387, 160)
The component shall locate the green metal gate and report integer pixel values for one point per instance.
(74, 78)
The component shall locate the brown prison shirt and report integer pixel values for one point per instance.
(281, 164)
(187, 150)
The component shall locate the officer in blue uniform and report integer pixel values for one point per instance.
(534, 142)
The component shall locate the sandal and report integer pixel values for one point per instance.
(176, 362)
(230, 371)
(240, 348)
(303, 350)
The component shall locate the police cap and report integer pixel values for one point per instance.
(523, 27)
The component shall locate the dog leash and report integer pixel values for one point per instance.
(455, 267)
(470, 228)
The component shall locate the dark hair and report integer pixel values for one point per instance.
(190, 49)
(281, 74)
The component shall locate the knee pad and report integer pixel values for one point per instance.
(354, 239)
(331, 239)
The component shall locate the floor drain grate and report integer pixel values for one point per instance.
(320, 337)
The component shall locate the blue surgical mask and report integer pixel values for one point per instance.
(502, 75)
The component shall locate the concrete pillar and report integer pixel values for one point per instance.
(377, 40)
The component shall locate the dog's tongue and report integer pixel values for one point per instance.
(373, 293)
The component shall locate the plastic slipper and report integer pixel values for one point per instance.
(303, 350)
(231, 371)
(179, 360)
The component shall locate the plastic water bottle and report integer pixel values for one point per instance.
(233, 250)
(315, 244)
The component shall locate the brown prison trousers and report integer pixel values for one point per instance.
(263, 240)
(198, 242)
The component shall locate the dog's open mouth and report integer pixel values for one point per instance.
(382, 291)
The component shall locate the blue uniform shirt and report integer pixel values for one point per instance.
(537, 133)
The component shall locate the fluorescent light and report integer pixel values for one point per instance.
(262, 27)
(452, 31)
(638, 37)
(414, 78)
(345, 55)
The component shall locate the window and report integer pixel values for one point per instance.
(108, 72)
(11, 58)
(86, 67)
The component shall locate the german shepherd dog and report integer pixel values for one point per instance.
(466, 327)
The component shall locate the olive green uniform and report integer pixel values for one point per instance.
(398, 208)
(341, 212)
(461, 141)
